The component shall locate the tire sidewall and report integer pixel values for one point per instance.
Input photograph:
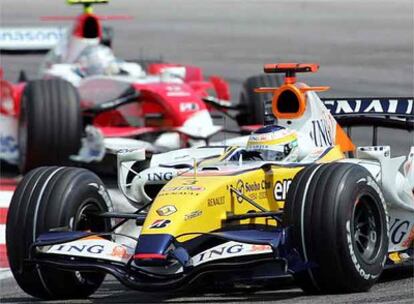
(64, 192)
(364, 185)
(47, 198)
(50, 123)
(92, 193)
(84, 189)
(319, 212)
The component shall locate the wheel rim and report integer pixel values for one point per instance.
(85, 222)
(367, 229)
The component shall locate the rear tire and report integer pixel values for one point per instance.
(50, 124)
(338, 224)
(254, 103)
(46, 198)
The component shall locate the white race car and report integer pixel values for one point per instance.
(250, 212)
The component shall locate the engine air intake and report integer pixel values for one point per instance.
(289, 100)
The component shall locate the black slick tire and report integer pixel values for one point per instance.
(252, 103)
(56, 198)
(50, 124)
(338, 225)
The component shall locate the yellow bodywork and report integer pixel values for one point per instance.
(201, 202)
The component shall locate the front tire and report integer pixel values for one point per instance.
(338, 225)
(54, 198)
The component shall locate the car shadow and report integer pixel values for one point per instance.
(279, 290)
(232, 296)
(397, 273)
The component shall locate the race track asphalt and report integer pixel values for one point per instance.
(365, 48)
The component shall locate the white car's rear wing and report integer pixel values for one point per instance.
(27, 39)
(375, 112)
(370, 106)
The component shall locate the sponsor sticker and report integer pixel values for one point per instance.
(166, 210)
(253, 190)
(322, 132)
(258, 195)
(23, 38)
(120, 252)
(192, 215)
(160, 176)
(189, 107)
(240, 188)
(157, 224)
(281, 189)
(229, 250)
(8, 144)
(175, 90)
(92, 248)
(399, 230)
(215, 201)
(181, 190)
(409, 240)
(189, 181)
(370, 106)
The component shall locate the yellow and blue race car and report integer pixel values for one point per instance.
(295, 197)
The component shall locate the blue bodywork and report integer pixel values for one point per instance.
(280, 262)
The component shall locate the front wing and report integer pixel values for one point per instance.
(243, 254)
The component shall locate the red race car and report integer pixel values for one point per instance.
(89, 102)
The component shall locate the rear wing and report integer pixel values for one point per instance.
(87, 2)
(30, 39)
(386, 112)
(372, 106)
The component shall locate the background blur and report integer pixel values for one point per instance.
(365, 48)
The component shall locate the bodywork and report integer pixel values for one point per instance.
(206, 211)
(161, 107)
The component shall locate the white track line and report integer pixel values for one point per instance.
(5, 198)
(5, 274)
(2, 234)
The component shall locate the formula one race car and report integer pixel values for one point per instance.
(289, 202)
(86, 95)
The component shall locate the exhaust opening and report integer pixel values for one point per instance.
(91, 28)
(288, 102)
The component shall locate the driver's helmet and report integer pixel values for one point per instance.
(274, 143)
(97, 60)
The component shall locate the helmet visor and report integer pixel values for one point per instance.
(272, 155)
(267, 154)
